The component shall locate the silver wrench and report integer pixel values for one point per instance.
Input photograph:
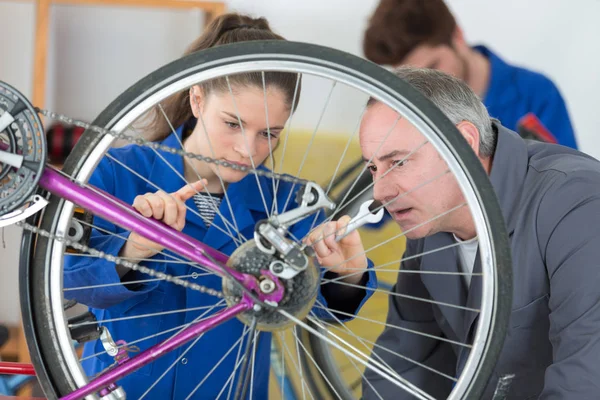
(362, 217)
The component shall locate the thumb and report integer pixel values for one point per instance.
(190, 189)
(342, 225)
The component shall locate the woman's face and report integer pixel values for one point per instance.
(237, 130)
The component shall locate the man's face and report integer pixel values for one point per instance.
(444, 58)
(411, 179)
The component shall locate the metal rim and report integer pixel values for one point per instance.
(305, 65)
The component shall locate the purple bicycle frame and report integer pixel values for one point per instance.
(116, 211)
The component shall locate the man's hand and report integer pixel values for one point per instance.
(346, 257)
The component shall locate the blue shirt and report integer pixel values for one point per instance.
(513, 92)
(119, 301)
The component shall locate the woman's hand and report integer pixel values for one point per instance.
(346, 257)
(168, 208)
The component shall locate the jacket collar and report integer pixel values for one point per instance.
(502, 87)
(509, 170)
(244, 196)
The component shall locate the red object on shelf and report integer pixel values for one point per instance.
(530, 127)
(12, 368)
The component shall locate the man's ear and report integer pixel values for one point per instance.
(196, 100)
(470, 133)
(458, 40)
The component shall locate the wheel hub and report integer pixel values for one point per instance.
(300, 292)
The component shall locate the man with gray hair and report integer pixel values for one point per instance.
(550, 198)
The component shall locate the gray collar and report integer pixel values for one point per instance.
(509, 169)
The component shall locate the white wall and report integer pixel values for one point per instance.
(556, 37)
(96, 52)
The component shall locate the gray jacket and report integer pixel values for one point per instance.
(550, 199)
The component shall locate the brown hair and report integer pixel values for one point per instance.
(398, 26)
(225, 29)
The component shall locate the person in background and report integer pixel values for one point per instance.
(424, 33)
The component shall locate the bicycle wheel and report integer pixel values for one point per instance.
(348, 81)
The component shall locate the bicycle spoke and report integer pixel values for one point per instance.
(282, 385)
(353, 364)
(406, 296)
(298, 342)
(237, 359)
(238, 362)
(191, 164)
(240, 391)
(364, 379)
(193, 211)
(365, 167)
(264, 87)
(229, 381)
(398, 235)
(289, 127)
(372, 184)
(137, 260)
(253, 362)
(356, 337)
(374, 344)
(216, 366)
(157, 314)
(171, 366)
(364, 341)
(146, 180)
(310, 143)
(373, 364)
(301, 373)
(342, 157)
(298, 367)
(468, 346)
(237, 113)
(403, 271)
(172, 258)
(212, 204)
(382, 206)
(180, 327)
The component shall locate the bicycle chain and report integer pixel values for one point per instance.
(144, 142)
(157, 146)
(121, 261)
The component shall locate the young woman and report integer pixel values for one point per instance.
(225, 120)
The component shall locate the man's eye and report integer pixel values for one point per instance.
(232, 125)
(372, 168)
(399, 163)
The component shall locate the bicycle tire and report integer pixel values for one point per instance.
(38, 300)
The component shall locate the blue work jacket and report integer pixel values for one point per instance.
(185, 371)
(514, 92)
